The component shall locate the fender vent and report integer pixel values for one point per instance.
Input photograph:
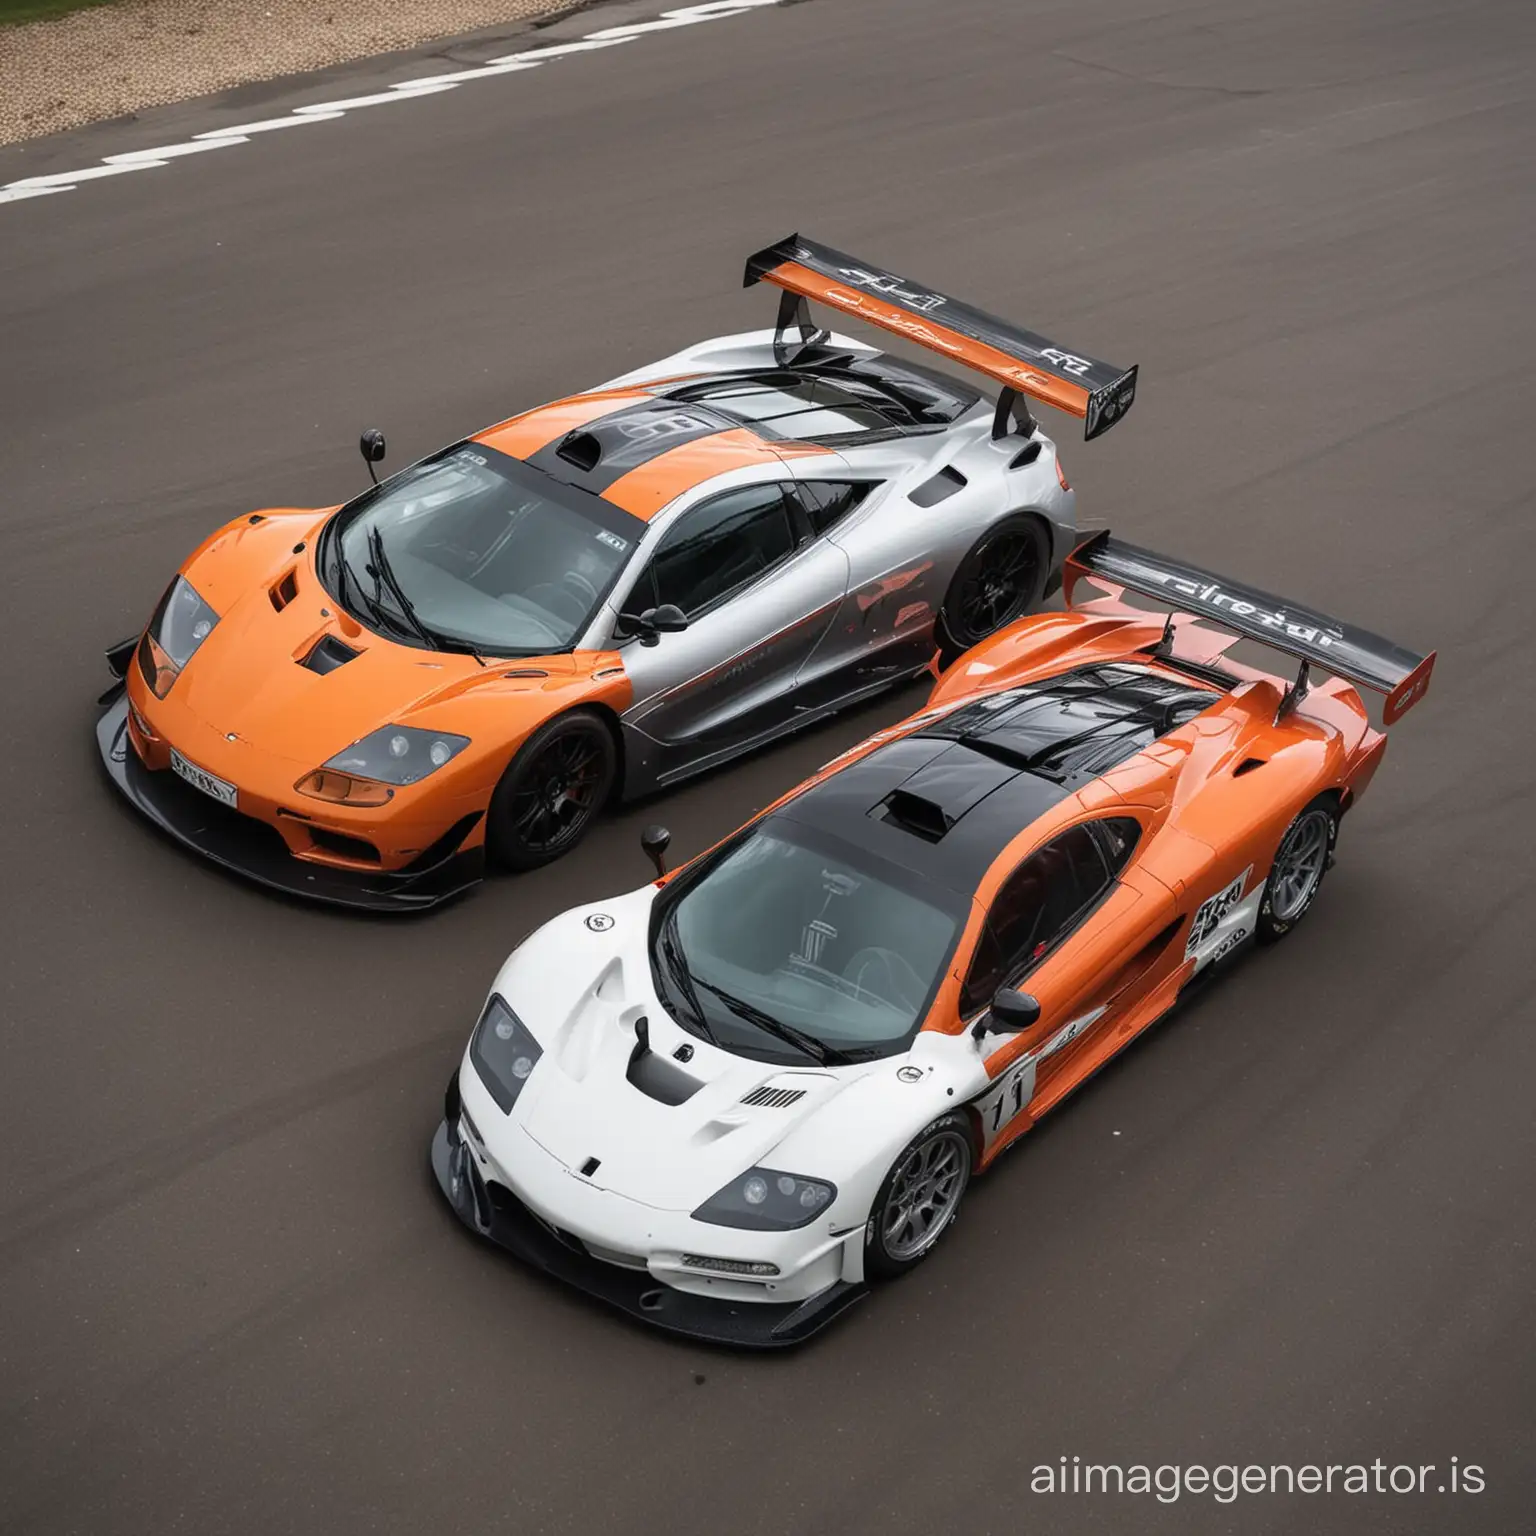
(1247, 765)
(933, 491)
(285, 590)
(328, 654)
(1027, 455)
(774, 1098)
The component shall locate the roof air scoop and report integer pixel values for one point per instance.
(581, 450)
(913, 813)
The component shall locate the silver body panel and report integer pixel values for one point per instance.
(848, 613)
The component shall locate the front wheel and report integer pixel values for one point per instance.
(1302, 859)
(552, 791)
(917, 1203)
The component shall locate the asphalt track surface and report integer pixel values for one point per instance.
(1293, 1225)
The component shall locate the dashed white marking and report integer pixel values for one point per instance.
(403, 90)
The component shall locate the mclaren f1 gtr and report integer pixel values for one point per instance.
(601, 596)
(729, 1101)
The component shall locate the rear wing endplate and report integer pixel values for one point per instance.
(1018, 359)
(1356, 654)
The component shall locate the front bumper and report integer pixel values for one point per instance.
(493, 1211)
(256, 850)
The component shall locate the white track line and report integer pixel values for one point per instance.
(404, 90)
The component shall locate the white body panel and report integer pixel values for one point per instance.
(580, 992)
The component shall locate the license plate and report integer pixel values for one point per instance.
(201, 779)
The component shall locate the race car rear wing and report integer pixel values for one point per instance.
(1021, 361)
(1355, 654)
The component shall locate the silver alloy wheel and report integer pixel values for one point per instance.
(1299, 865)
(924, 1194)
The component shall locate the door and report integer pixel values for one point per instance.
(1038, 937)
(884, 629)
(759, 589)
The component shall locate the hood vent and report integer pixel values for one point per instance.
(774, 1098)
(328, 654)
(284, 590)
(660, 1079)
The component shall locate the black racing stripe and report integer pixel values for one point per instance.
(605, 450)
(992, 815)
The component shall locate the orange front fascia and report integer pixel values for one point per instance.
(245, 710)
(1065, 396)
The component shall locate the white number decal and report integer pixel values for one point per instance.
(1068, 362)
(1211, 911)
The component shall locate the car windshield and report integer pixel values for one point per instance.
(487, 554)
(798, 930)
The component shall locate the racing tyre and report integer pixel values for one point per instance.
(917, 1203)
(1301, 861)
(1001, 578)
(552, 791)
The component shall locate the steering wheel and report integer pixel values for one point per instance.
(573, 596)
(887, 975)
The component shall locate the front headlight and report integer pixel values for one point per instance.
(398, 754)
(766, 1200)
(504, 1052)
(391, 755)
(180, 623)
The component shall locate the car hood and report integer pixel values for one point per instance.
(252, 678)
(664, 1132)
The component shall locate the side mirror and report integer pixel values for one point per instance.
(1011, 1014)
(371, 446)
(654, 842)
(668, 619)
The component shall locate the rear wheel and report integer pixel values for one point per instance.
(1001, 577)
(918, 1201)
(552, 791)
(1301, 861)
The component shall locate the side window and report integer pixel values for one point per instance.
(1118, 836)
(643, 594)
(827, 502)
(721, 546)
(1040, 902)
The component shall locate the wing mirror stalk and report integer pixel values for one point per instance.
(371, 446)
(650, 626)
(1011, 1013)
(654, 842)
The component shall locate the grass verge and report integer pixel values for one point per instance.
(14, 12)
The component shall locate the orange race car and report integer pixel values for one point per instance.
(730, 1100)
(601, 596)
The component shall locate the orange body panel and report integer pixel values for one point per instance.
(645, 491)
(522, 436)
(238, 712)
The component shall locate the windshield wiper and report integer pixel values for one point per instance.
(673, 954)
(825, 1055)
(383, 571)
